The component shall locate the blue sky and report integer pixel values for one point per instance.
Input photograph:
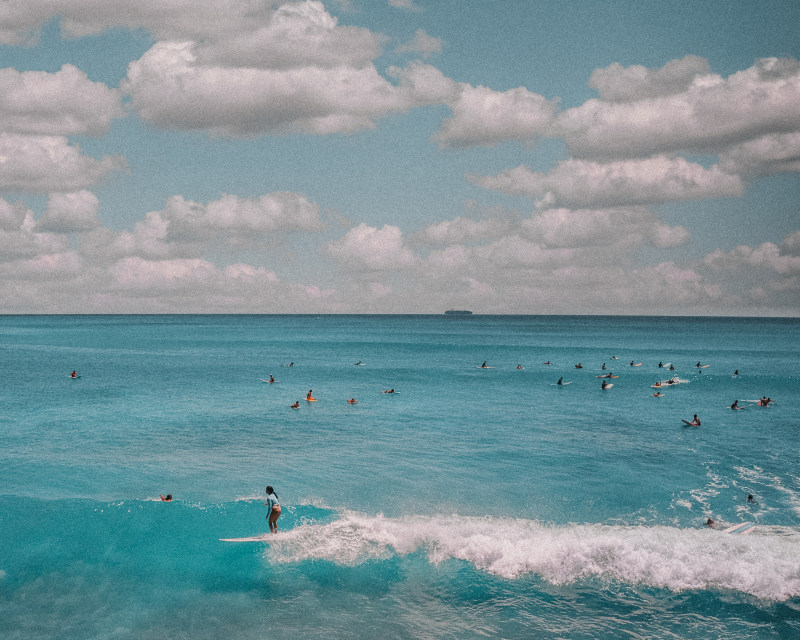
(398, 156)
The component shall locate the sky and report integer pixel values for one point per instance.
(400, 156)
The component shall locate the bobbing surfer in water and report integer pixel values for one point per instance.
(273, 509)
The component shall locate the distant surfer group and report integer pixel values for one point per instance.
(658, 386)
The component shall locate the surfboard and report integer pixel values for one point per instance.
(311, 399)
(260, 538)
(607, 376)
(743, 528)
(270, 381)
(563, 384)
(485, 367)
(638, 364)
(705, 366)
(608, 386)
(691, 424)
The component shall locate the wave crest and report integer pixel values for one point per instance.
(765, 565)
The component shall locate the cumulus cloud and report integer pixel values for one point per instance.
(20, 237)
(22, 19)
(592, 228)
(40, 164)
(170, 89)
(421, 43)
(138, 273)
(61, 103)
(768, 255)
(710, 115)
(583, 183)
(616, 83)
(767, 155)
(239, 219)
(295, 35)
(407, 5)
(483, 117)
(186, 229)
(365, 247)
(38, 110)
(70, 212)
(463, 231)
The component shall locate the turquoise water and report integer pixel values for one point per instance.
(472, 503)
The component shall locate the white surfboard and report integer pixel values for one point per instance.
(608, 386)
(264, 537)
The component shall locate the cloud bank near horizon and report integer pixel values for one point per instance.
(590, 240)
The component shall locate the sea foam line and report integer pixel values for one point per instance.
(765, 565)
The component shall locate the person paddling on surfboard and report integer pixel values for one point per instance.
(273, 509)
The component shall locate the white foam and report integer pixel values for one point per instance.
(765, 565)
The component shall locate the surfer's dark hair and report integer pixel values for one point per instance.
(271, 490)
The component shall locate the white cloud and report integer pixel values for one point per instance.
(365, 247)
(463, 231)
(295, 35)
(767, 255)
(61, 103)
(170, 89)
(22, 19)
(616, 83)
(768, 155)
(423, 84)
(407, 5)
(20, 238)
(239, 220)
(138, 273)
(70, 212)
(483, 117)
(39, 164)
(582, 183)
(710, 115)
(593, 228)
(421, 43)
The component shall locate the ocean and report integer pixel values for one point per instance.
(470, 503)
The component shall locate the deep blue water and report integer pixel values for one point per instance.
(471, 503)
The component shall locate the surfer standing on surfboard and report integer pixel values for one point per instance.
(273, 509)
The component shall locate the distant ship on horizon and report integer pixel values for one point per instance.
(457, 312)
